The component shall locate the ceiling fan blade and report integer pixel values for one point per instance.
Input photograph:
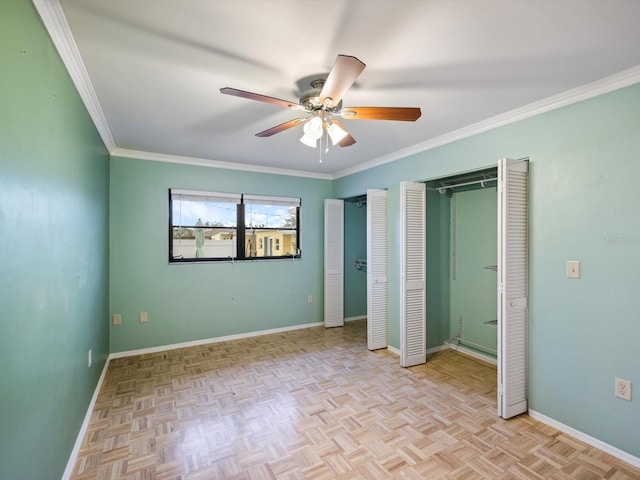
(281, 127)
(405, 114)
(347, 141)
(261, 98)
(344, 72)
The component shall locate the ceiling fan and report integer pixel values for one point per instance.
(323, 102)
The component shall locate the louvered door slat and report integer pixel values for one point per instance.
(413, 350)
(377, 261)
(333, 263)
(513, 286)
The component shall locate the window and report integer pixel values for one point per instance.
(208, 226)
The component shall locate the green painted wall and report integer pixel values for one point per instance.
(355, 248)
(437, 263)
(585, 162)
(474, 291)
(55, 282)
(188, 302)
(54, 185)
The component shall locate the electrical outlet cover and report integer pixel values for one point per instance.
(623, 389)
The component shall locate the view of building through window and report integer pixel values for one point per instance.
(217, 226)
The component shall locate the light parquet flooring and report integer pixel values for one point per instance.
(315, 404)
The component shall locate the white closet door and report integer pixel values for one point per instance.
(413, 342)
(333, 263)
(512, 286)
(377, 260)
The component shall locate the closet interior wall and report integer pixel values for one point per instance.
(355, 258)
(466, 300)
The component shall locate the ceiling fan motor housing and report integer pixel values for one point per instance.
(310, 99)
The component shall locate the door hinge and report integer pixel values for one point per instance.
(500, 389)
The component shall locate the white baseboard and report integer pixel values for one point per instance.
(583, 437)
(206, 341)
(352, 319)
(393, 350)
(440, 348)
(431, 350)
(437, 349)
(472, 353)
(85, 424)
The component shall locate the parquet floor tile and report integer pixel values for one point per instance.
(316, 404)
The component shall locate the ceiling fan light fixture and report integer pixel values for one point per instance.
(336, 133)
(309, 141)
(313, 128)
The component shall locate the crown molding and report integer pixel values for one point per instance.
(55, 22)
(203, 162)
(569, 97)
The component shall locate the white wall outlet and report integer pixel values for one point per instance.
(623, 389)
(573, 269)
(144, 317)
(310, 299)
(89, 358)
(117, 319)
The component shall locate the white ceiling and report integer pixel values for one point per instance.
(155, 69)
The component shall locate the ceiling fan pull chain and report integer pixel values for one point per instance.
(326, 140)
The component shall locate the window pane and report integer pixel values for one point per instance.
(270, 230)
(202, 227)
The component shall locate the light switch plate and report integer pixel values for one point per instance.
(573, 269)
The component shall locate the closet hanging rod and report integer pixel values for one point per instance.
(464, 184)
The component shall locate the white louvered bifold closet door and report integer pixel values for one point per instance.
(512, 286)
(377, 261)
(333, 263)
(413, 342)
